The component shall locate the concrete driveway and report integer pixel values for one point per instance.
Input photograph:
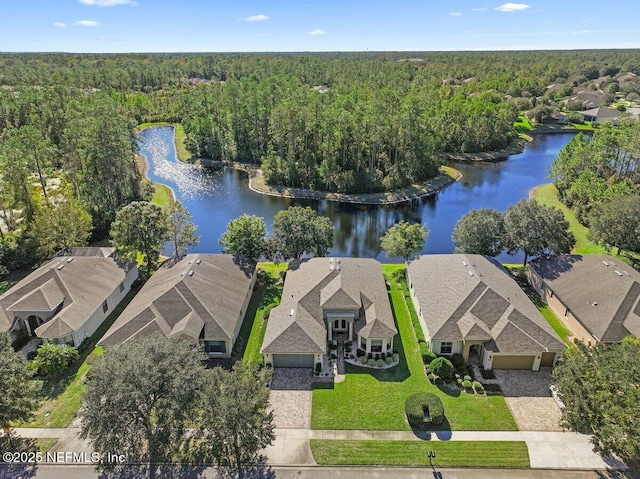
(291, 397)
(529, 399)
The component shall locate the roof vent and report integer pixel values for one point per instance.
(626, 273)
(69, 260)
(182, 274)
(464, 263)
(291, 313)
(618, 273)
(595, 303)
(605, 263)
(338, 261)
(198, 261)
(470, 273)
(191, 273)
(60, 267)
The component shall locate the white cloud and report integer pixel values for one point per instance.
(317, 31)
(482, 9)
(256, 18)
(108, 3)
(512, 7)
(87, 23)
(60, 25)
(455, 14)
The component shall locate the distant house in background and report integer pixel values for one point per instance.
(596, 296)
(324, 299)
(67, 299)
(470, 305)
(198, 297)
(601, 114)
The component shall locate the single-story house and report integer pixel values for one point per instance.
(197, 297)
(328, 299)
(67, 299)
(601, 114)
(596, 296)
(469, 304)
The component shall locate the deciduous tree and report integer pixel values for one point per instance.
(140, 227)
(599, 387)
(298, 231)
(616, 223)
(140, 399)
(479, 232)
(19, 392)
(535, 229)
(245, 236)
(236, 423)
(182, 231)
(404, 239)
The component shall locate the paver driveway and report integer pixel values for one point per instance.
(291, 397)
(529, 399)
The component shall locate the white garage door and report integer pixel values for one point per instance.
(293, 360)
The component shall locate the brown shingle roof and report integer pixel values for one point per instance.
(472, 297)
(74, 286)
(606, 302)
(186, 294)
(336, 283)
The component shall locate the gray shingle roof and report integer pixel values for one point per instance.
(179, 302)
(605, 302)
(335, 283)
(75, 286)
(471, 297)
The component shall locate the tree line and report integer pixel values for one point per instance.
(599, 178)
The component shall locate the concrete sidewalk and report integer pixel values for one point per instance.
(547, 450)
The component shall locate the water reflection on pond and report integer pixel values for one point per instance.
(216, 197)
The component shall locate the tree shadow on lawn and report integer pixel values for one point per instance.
(426, 433)
(448, 389)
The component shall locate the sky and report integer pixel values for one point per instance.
(314, 25)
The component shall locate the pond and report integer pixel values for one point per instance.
(216, 197)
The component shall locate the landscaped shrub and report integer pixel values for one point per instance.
(360, 353)
(396, 357)
(466, 384)
(416, 405)
(371, 362)
(492, 388)
(477, 386)
(52, 359)
(362, 359)
(458, 361)
(427, 355)
(442, 367)
(467, 377)
(380, 362)
(389, 360)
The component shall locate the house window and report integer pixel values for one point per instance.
(105, 306)
(68, 340)
(219, 347)
(121, 287)
(445, 347)
(376, 345)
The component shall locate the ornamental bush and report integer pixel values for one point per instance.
(389, 360)
(442, 367)
(371, 362)
(380, 362)
(457, 360)
(52, 359)
(396, 357)
(427, 355)
(418, 404)
(362, 359)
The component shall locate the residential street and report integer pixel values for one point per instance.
(279, 472)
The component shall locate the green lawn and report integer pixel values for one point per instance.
(523, 125)
(374, 399)
(557, 325)
(414, 453)
(548, 195)
(268, 290)
(162, 195)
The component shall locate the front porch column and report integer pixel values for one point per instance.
(330, 329)
(466, 348)
(536, 362)
(391, 348)
(350, 331)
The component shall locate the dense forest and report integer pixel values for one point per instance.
(343, 122)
